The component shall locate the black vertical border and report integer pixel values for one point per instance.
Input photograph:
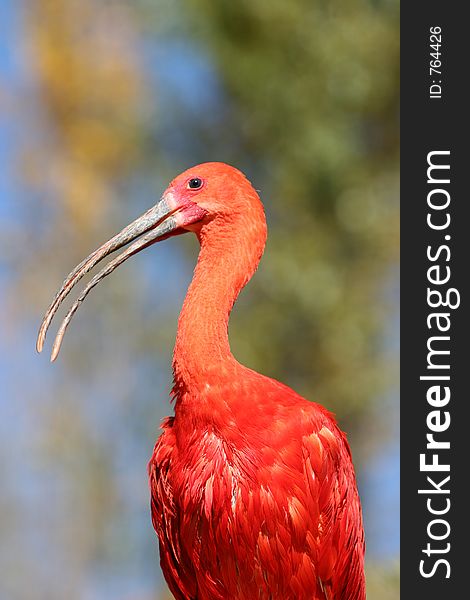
(427, 125)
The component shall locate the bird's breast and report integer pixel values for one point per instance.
(260, 500)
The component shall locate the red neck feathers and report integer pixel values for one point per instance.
(231, 248)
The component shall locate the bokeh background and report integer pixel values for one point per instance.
(103, 102)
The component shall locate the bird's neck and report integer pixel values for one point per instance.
(229, 255)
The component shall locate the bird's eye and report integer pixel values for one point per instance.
(195, 183)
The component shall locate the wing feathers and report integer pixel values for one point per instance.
(233, 525)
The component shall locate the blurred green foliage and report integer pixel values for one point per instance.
(314, 94)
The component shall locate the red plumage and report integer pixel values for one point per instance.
(261, 504)
(253, 488)
(253, 492)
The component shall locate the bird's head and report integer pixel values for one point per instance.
(233, 216)
(203, 195)
(218, 189)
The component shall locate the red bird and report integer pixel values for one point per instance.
(253, 492)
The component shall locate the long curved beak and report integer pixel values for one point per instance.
(159, 222)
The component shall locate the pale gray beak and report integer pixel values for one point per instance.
(157, 223)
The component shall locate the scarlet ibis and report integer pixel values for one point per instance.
(253, 490)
